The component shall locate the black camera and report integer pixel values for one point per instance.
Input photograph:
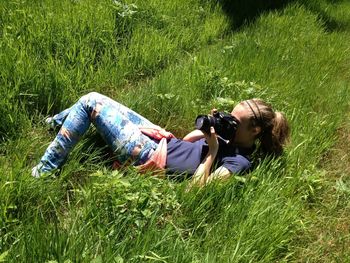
(224, 124)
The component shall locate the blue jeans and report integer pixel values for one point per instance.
(117, 124)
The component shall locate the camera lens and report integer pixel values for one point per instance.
(199, 122)
(203, 123)
(224, 123)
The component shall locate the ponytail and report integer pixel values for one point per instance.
(274, 138)
(274, 128)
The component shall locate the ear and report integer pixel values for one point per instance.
(256, 131)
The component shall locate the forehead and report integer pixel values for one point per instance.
(240, 112)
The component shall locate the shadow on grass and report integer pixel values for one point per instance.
(244, 12)
(331, 23)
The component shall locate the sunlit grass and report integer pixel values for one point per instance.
(168, 60)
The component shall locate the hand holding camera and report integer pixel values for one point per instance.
(212, 140)
(223, 123)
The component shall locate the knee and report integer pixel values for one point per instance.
(92, 102)
(94, 94)
(90, 96)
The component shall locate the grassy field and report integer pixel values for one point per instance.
(172, 60)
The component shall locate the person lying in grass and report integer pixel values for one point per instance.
(136, 141)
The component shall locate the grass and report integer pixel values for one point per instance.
(172, 60)
(327, 237)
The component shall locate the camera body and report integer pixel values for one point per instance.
(224, 124)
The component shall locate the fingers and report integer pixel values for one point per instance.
(212, 131)
(212, 140)
(213, 111)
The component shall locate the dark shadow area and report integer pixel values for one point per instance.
(330, 23)
(244, 12)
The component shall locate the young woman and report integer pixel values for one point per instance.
(138, 142)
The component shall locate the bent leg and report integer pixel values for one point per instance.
(74, 125)
(117, 124)
(128, 113)
(133, 116)
(119, 127)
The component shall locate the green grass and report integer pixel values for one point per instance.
(172, 60)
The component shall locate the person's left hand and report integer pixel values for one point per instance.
(212, 140)
(213, 111)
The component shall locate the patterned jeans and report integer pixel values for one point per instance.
(117, 124)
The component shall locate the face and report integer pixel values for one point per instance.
(245, 134)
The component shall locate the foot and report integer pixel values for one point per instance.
(36, 171)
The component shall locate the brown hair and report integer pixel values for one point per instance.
(275, 129)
